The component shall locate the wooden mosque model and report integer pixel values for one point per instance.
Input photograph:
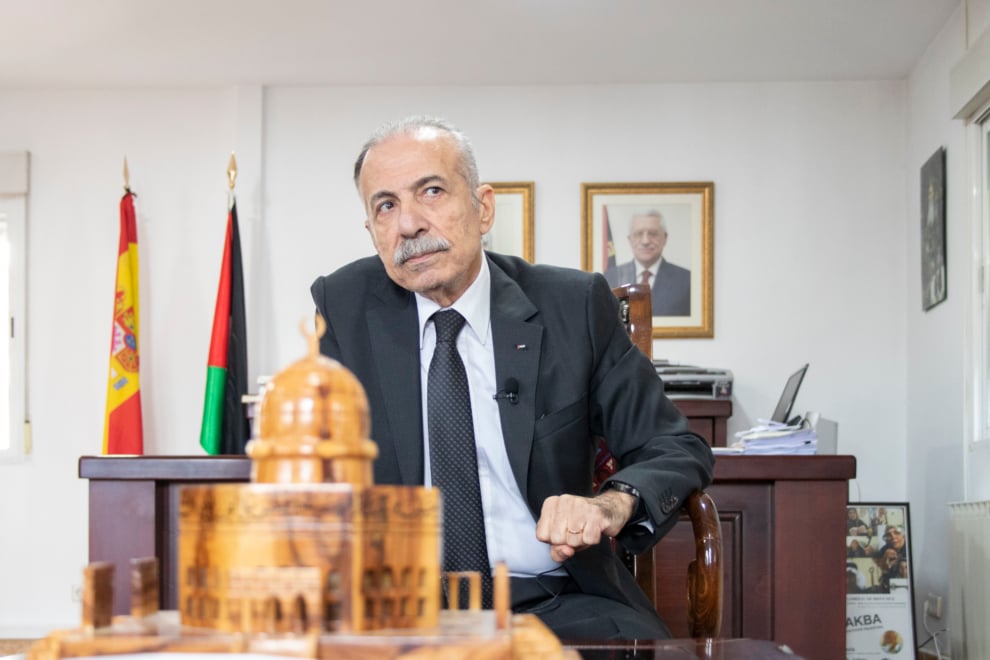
(311, 543)
(310, 559)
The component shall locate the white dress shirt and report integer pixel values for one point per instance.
(653, 271)
(509, 526)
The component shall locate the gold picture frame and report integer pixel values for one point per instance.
(513, 229)
(683, 301)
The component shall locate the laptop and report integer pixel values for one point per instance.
(783, 410)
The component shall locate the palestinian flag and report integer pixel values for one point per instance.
(122, 432)
(608, 251)
(225, 428)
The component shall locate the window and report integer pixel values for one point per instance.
(14, 435)
(981, 192)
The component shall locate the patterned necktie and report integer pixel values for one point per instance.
(644, 277)
(454, 457)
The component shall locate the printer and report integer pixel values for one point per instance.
(681, 380)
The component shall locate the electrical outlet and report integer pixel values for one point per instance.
(76, 593)
(934, 603)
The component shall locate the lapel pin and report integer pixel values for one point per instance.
(520, 347)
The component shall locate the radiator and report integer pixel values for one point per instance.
(969, 580)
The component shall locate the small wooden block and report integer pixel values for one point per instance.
(453, 591)
(501, 598)
(144, 587)
(454, 581)
(97, 595)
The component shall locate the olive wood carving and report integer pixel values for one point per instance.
(311, 559)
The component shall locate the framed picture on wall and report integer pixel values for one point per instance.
(513, 229)
(933, 262)
(661, 234)
(879, 582)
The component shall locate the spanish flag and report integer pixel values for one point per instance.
(122, 433)
(225, 428)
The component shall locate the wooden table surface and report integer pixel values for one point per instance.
(674, 649)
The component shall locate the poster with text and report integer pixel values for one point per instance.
(879, 589)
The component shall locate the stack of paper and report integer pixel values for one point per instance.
(776, 438)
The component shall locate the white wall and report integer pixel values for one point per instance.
(935, 339)
(809, 251)
(809, 208)
(939, 360)
(177, 143)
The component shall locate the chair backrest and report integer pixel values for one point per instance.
(636, 313)
(705, 572)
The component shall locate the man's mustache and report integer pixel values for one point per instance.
(413, 247)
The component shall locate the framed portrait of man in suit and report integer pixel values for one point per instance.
(659, 234)
(512, 232)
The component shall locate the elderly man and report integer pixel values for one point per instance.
(670, 284)
(489, 378)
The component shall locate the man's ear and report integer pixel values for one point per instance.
(486, 207)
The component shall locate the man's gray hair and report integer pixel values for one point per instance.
(652, 213)
(467, 167)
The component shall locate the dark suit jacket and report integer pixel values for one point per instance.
(671, 292)
(556, 331)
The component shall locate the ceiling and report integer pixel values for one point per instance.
(422, 42)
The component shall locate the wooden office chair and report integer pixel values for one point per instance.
(704, 579)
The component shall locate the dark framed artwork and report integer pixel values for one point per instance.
(513, 229)
(933, 253)
(879, 581)
(659, 233)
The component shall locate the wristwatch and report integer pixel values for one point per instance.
(639, 510)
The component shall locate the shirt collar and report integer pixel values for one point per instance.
(653, 269)
(474, 305)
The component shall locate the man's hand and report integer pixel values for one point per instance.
(570, 523)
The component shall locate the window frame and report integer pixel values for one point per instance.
(14, 168)
(980, 188)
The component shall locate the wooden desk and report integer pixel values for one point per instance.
(783, 532)
(706, 417)
(783, 545)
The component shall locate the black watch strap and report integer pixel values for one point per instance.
(639, 511)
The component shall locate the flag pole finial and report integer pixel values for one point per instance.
(313, 338)
(232, 171)
(127, 177)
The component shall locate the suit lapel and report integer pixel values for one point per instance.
(628, 273)
(392, 320)
(517, 344)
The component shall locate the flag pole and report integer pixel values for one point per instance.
(232, 178)
(127, 177)
(224, 429)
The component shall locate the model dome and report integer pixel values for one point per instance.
(313, 424)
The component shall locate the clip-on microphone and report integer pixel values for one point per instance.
(509, 391)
